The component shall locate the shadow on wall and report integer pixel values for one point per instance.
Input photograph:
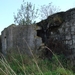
(0, 45)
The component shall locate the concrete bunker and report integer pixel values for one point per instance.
(58, 29)
(20, 37)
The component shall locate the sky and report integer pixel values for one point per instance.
(9, 7)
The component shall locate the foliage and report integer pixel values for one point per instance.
(20, 64)
(47, 10)
(26, 15)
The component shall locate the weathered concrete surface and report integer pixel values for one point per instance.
(20, 37)
(61, 27)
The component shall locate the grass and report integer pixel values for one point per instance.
(16, 63)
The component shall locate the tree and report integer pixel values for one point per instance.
(47, 10)
(26, 14)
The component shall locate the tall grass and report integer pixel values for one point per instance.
(25, 65)
(16, 63)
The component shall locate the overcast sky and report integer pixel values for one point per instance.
(8, 7)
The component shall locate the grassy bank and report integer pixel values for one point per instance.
(20, 64)
(16, 63)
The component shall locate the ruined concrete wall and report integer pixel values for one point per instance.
(7, 39)
(20, 37)
(68, 30)
(61, 27)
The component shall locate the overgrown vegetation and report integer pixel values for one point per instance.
(20, 64)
